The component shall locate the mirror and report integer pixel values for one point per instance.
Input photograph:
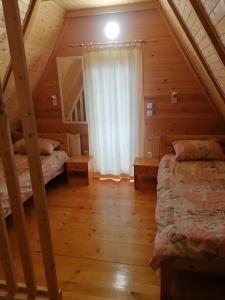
(70, 74)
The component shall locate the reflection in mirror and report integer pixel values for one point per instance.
(70, 74)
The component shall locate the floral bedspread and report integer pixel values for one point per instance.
(52, 165)
(190, 211)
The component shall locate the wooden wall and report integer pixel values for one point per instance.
(165, 69)
(40, 37)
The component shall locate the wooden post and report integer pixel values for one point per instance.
(9, 165)
(24, 95)
(166, 281)
(6, 256)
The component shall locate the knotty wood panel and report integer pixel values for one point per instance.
(39, 40)
(216, 10)
(79, 4)
(165, 69)
(4, 48)
(194, 59)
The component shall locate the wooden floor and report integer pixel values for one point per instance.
(103, 239)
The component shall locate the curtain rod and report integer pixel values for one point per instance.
(112, 43)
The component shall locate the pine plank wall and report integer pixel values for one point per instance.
(165, 69)
(40, 36)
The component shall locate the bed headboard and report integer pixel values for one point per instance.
(63, 138)
(167, 140)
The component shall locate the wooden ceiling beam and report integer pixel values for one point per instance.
(196, 49)
(112, 9)
(209, 28)
(190, 63)
(25, 26)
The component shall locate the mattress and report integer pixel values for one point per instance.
(190, 210)
(52, 165)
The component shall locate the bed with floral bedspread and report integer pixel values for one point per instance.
(52, 165)
(190, 212)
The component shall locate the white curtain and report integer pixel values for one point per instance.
(115, 107)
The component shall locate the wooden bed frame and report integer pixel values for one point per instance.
(63, 138)
(166, 146)
(174, 264)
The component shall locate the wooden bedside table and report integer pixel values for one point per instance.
(144, 166)
(79, 164)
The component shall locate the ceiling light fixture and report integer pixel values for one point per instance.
(112, 30)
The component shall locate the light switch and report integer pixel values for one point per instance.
(174, 97)
(149, 105)
(54, 100)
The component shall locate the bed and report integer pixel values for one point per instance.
(52, 166)
(190, 214)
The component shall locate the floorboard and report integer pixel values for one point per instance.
(103, 239)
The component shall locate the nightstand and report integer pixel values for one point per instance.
(79, 164)
(145, 167)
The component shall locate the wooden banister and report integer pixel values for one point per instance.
(24, 96)
(6, 256)
(12, 182)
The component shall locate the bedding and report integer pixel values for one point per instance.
(46, 146)
(52, 165)
(198, 150)
(190, 211)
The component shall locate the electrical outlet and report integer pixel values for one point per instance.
(86, 152)
(149, 113)
(149, 154)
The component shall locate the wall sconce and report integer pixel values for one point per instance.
(174, 97)
(54, 100)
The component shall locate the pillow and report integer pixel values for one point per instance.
(46, 146)
(198, 150)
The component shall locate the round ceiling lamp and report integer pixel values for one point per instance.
(112, 30)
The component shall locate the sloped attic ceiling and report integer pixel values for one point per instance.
(49, 17)
(4, 49)
(42, 31)
(187, 26)
(80, 4)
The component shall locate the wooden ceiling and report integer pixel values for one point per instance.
(201, 37)
(216, 13)
(81, 4)
(4, 50)
(203, 50)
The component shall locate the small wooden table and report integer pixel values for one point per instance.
(144, 166)
(79, 164)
